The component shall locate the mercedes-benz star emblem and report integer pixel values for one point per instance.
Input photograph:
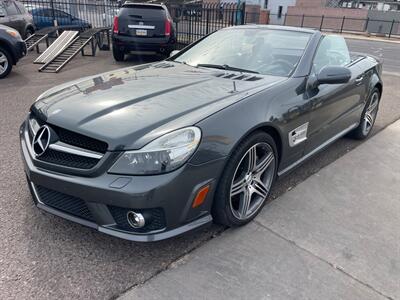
(41, 140)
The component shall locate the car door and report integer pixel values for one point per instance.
(12, 13)
(63, 18)
(335, 107)
(26, 19)
(44, 18)
(20, 18)
(4, 18)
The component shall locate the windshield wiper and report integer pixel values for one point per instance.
(225, 67)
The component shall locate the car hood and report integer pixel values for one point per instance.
(129, 107)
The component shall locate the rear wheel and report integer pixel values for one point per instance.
(368, 116)
(5, 63)
(247, 180)
(118, 54)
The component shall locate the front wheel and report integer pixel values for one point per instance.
(246, 181)
(368, 116)
(29, 32)
(5, 63)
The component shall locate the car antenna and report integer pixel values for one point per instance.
(234, 86)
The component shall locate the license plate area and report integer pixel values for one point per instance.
(141, 32)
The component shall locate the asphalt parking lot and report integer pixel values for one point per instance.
(43, 256)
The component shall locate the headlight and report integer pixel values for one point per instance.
(162, 155)
(13, 33)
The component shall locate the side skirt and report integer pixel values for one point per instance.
(316, 150)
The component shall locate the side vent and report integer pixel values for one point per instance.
(235, 76)
(163, 65)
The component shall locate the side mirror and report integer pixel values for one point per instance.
(174, 52)
(329, 75)
(333, 75)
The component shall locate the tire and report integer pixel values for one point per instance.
(29, 31)
(236, 184)
(166, 53)
(118, 54)
(5, 62)
(368, 116)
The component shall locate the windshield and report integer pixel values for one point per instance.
(264, 51)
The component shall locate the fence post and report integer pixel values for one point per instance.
(302, 21)
(341, 26)
(366, 24)
(207, 21)
(391, 28)
(322, 22)
(284, 19)
(243, 8)
(52, 13)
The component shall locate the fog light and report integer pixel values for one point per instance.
(136, 220)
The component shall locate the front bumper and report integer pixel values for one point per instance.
(19, 50)
(171, 193)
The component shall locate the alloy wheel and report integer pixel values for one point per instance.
(252, 181)
(370, 113)
(3, 63)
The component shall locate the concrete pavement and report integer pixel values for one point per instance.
(334, 236)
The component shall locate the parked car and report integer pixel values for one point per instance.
(152, 151)
(12, 49)
(14, 15)
(142, 27)
(108, 16)
(43, 17)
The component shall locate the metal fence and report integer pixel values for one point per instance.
(79, 13)
(193, 21)
(388, 28)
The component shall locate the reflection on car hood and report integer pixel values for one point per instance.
(129, 107)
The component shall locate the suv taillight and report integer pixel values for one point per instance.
(115, 25)
(167, 27)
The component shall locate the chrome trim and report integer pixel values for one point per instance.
(33, 126)
(141, 27)
(63, 147)
(298, 135)
(28, 143)
(60, 146)
(35, 192)
(320, 147)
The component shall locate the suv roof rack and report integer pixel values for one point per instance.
(143, 3)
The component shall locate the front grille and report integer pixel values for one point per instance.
(68, 159)
(73, 139)
(155, 216)
(65, 203)
(79, 140)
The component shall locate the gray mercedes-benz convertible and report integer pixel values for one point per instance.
(152, 151)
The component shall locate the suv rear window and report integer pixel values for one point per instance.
(143, 11)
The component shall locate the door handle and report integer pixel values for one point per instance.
(359, 79)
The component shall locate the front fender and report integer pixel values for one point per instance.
(375, 80)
